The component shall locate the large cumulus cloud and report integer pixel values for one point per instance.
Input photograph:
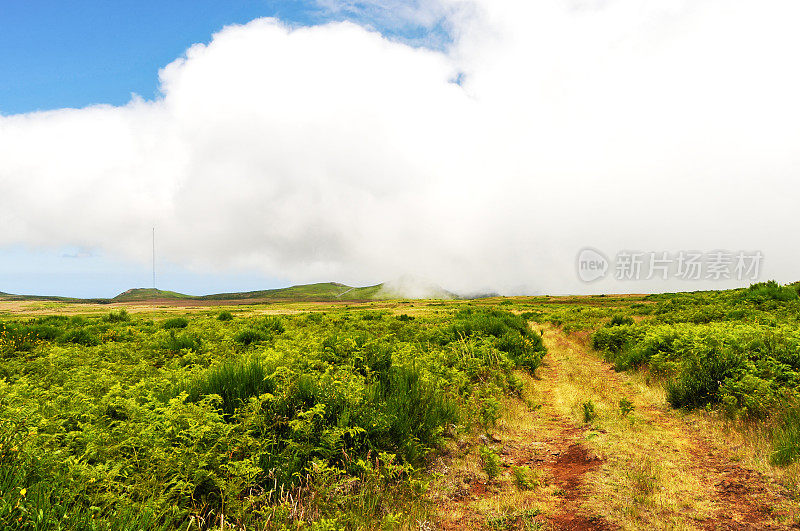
(334, 152)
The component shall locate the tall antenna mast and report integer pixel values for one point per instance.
(154, 258)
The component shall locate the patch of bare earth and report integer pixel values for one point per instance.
(568, 472)
(745, 498)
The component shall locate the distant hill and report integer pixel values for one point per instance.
(322, 291)
(319, 291)
(53, 298)
(143, 294)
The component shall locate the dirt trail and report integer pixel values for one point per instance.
(571, 459)
(647, 469)
(733, 496)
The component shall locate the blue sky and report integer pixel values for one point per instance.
(72, 54)
(59, 54)
(71, 272)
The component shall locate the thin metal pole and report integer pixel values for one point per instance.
(154, 258)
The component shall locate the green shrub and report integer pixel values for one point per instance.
(273, 324)
(372, 316)
(614, 339)
(175, 322)
(117, 317)
(524, 478)
(620, 320)
(490, 461)
(235, 381)
(225, 315)
(771, 290)
(415, 413)
(651, 344)
(490, 412)
(249, 336)
(81, 336)
(42, 332)
(53, 320)
(532, 315)
(487, 322)
(178, 342)
(703, 370)
(626, 407)
(316, 317)
(526, 352)
(589, 413)
(748, 395)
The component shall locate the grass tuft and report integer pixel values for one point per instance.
(786, 438)
(589, 412)
(117, 317)
(524, 478)
(175, 322)
(234, 381)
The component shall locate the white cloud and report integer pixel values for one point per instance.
(333, 153)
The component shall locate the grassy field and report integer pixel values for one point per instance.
(672, 411)
(148, 420)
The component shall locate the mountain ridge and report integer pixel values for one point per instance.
(320, 291)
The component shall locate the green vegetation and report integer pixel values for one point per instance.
(619, 320)
(515, 520)
(117, 317)
(343, 418)
(143, 294)
(323, 291)
(786, 437)
(125, 421)
(490, 461)
(510, 332)
(626, 407)
(524, 477)
(589, 412)
(175, 322)
(737, 350)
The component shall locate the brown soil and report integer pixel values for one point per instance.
(746, 500)
(568, 472)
